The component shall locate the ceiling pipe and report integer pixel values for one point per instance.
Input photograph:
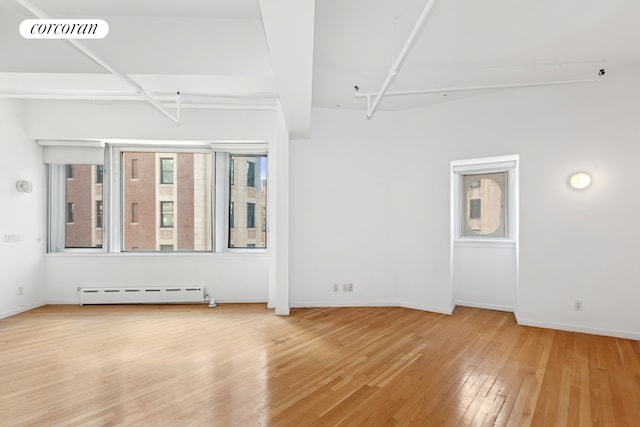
(444, 91)
(40, 14)
(167, 101)
(401, 57)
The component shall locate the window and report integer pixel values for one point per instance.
(166, 171)
(134, 169)
(155, 215)
(134, 213)
(248, 203)
(484, 192)
(251, 215)
(484, 204)
(76, 216)
(99, 214)
(70, 212)
(474, 207)
(159, 199)
(251, 174)
(166, 214)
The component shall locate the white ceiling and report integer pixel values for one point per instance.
(467, 43)
(268, 45)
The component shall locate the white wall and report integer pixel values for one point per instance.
(342, 206)
(227, 277)
(20, 262)
(371, 200)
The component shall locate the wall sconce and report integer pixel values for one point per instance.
(580, 180)
(24, 186)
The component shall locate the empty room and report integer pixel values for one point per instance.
(328, 213)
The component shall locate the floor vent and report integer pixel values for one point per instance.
(142, 295)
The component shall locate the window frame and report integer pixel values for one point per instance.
(57, 206)
(162, 171)
(112, 197)
(509, 164)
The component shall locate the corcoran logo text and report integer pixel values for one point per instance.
(64, 29)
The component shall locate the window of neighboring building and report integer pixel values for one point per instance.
(99, 174)
(99, 214)
(231, 215)
(166, 171)
(69, 171)
(251, 215)
(70, 211)
(474, 207)
(134, 169)
(166, 214)
(134, 213)
(166, 247)
(251, 174)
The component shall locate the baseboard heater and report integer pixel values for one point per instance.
(142, 295)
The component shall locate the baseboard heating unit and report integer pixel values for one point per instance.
(142, 295)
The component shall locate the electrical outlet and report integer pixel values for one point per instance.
(336, 287)
(347, 287)
(13, 237)
(577, 305)
(20, 290)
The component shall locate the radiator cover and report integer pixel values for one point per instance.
(142, 295)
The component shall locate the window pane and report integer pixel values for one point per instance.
(166, 171)
(485, 205)
(251, 174)
(168, 206)
(248, 202)
(166, 214)
(83, 201)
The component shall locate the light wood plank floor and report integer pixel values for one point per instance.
(240, 365)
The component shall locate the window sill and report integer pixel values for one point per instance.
(484, 243)
(79, 253)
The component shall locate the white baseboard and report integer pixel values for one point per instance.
(430, 308)
(373, 303)
(21, 309)
(359, 303)
(577, 328)
(485, 306)
(240, 301)
(76, 301)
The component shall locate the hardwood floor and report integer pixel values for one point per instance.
(240, 365)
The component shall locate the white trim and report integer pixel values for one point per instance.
(484, 306)
(508, 163)
(578, 328)
(22, 309)
(71, 143)
(372, 303)
(429, 308)
(343, 303)
(241, 147)
(469, 242)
